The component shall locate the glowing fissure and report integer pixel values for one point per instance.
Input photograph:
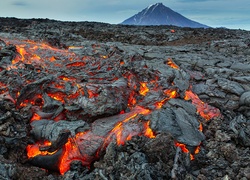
(206, 111)
(172, 64)
(34, 150)
(170, 94)
(143, 89)
(118, 129)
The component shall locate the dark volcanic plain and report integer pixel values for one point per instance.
(218, 63)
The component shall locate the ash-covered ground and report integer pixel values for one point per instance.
(218, 61)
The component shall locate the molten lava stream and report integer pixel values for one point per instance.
(123, 130)
(119, 127)
(185, 150)
(34, 150)
(72, 152)
(148, 131)
(206, 111)
(35, 117)
(143, 89)
(172, 64)
(77, 148)
(170, 94)
(22, 52)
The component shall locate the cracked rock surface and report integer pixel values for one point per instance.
(215, 62)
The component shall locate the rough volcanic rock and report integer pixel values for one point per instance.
(214, 63)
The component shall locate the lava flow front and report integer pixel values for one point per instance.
(80, 104)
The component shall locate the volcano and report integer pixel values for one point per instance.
(158, 14)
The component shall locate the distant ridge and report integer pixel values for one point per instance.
(158, 14)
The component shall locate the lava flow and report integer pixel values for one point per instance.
(206, 111)
(66, 87)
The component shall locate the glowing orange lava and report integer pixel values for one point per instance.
(50, 59)
(22, 52)
(170, 94)
(182, 146)
(59, 96)
(76, 64)
(67, 78)
(148, 131)
(172, 30)
(92, 94)
(206, 111)
(35, 117)
(118, 129)
(143, 89)
(132, 99)
(71, 152)
(33, 150)
(185, 150)
(172, 64)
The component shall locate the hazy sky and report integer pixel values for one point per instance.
(233, 14)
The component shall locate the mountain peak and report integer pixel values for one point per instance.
(157, 4)
(154, 5)
(158, 14)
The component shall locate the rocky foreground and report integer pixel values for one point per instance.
(218, 62)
